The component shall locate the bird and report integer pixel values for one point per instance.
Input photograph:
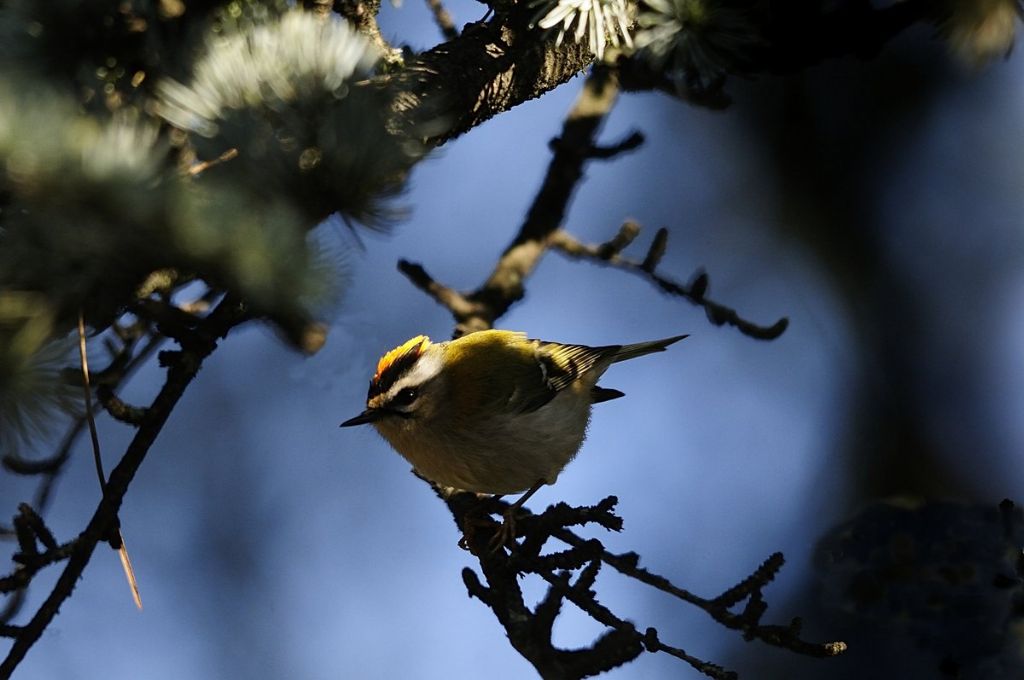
(492, 412)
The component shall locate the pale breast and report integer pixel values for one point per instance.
(500, 455)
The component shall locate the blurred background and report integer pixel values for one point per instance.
(877, 205)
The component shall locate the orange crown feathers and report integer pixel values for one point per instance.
(413, 346)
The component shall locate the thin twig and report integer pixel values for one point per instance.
(22, 576)
(33, 523)
(778, 636)
(443, 19)
(182, 368)
(51, 465)
(653, 644)
(633, 141)
(649, 640)
(121, 368)
(87, 389)
(56, 462)
(362, 14)
(478, 310)
(530, 631)
(451, 299)
(608, 254)
(117, 541)
(117, 408)
(200, 167)
(540, 231)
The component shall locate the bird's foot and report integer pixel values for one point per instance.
(505, 534)
(474, 522)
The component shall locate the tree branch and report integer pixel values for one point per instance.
(443, 19)
(488, 69)
(529, 630)
(478, 310)
(182, 367)
(496, 65)
(122, 366)
(539, 231)
(609, 254)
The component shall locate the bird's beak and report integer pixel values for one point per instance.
(367, 416)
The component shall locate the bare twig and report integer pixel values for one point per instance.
(362, 14)
(22, 575)
(530, 630)
(478, 310)
(631, 142)
(29, 529)
(170, 320)
(126, 359)
(118, 409)
(51, 467)
(653, 644)
(609, 254)
(44, 466)
(458, 304)
(182, 367)
(200, 167)
(443, 19)
(657, 251)
(29, 522)
(583, 598)
(718, 607)
(116, 539)
(87, 390)
(506, 285)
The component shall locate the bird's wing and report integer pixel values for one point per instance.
(564, 364)
(558, 366)
(531, 377)
(520, 386)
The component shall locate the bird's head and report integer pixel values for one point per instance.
(403, 385)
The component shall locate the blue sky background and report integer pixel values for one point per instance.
(268, 543)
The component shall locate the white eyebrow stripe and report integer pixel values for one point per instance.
(423, 370)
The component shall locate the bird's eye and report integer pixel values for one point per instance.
(405, 397)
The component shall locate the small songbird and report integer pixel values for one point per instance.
(493, 411)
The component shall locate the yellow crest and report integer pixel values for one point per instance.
(411, 347)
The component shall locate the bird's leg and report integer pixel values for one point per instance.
(507, 531)
(475, 519)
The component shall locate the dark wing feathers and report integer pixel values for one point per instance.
(559, 366)
(563, 364)
(521, 402)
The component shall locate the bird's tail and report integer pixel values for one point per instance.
(641, 348)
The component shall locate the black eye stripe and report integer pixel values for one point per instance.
(405, 397)
(393, 373)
